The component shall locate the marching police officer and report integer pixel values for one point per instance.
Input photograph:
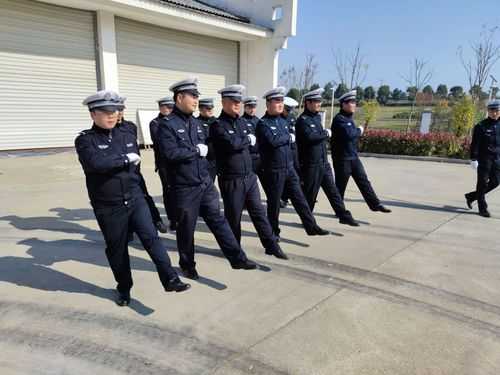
(315, 169)
(346, 162)
(110, 159)
(275, 142)
(485, 157)
(249, 115)
(183, 147)
(206, 109)
(165, 106)
(289, 106)
(237, 181)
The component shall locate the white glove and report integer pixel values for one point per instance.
(474, 164)
(329, 132)
(292, 138)
(252, 139)
(202, 149)
(362, 130)
(133, 158)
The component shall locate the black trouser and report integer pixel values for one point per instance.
(115, 222)
(168, 199)
(155, 214)
(296, 165)
(488, 178)
(212, 169)
(344, 169)
(315, 177)
(243, 192)
(275, 183)
(202, 200)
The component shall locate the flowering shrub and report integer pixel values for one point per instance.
(415, 144)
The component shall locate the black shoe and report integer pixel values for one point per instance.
(283, 203)
(162, 228)
(176, 285)
(484, 213)
(468, 201)
(383, 209)
(244, 265)
(348, 220)
(277, 252)
(130, 237)
(123, 299)
(317, 231)
(173, 226)
(190, 273)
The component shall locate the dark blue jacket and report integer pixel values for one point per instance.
(153, 131)
(110, 178)
(311, 139)
(274, 143)
(206, 122)
(251, 122)
(290, 122)
(178, 136)
(232, 146)
(486, 140)
(345, 137)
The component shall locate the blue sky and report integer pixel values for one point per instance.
(391, 34)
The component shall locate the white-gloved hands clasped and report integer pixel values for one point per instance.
(292, 138)
(202, 149)
(361, 129)
(252, 139)
(474, 164)
(329, 132)
(133, 158)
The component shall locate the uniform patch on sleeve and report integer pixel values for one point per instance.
(103, 147)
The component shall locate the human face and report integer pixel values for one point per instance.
(206, 112)
(313, 105)
(165, 110)
(231, 106)
(187, 102)
(275, 106)
(251, 110)
(349, 106)
(104, 119)
(494, 114)
(120, 115)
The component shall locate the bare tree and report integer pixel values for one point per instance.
(289, 78)
(418, 77)
(303, 80)
(351, 68)
(485, 54)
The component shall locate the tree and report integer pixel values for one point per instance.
(314, 87)
(485, 54)
(359, 93)
(351, 68)
(477, 93)
(442, 91)
(383, 94)
(294, 93)
(462, 116)
(327, 94)
(370, 111)
(396, 94)
(428, 90)
(369, 93)
(303, 80)
(457, 92)
(412, 93)
(289, 78)
(341, 90)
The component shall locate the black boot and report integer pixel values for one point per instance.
(176, 285)
(277, 252)
(190, 273)
(484, 213)
(162, 228)
(381, 208)
(244, 265)
(123, 298)
(468, 201)
(347, 219)
(317, 231)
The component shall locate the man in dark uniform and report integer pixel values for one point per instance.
(109, 156)
(183, 147)
(485, 157)
(274, 142)
(249, 115)
(346, 162)
(289, 106)
(237, 181)
(165, 105)
(207, 118)
(316, 172)
(155, 214)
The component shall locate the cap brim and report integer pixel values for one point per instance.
(108, 108)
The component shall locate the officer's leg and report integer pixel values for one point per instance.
(141, 219)
(332, 193)
(311, 182)
(274, 184)
(494, 179)
(292, 186)
(188, 202)
(364, 185)
(162, 172)
(210, 212)
(233, 195)
(113, 222)
(343, 170)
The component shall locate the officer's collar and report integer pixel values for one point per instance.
(181, 114)
(246, 115)
(226, 116)
(310, 113)
(161, 115)
(100, 130)
(273, 116)
(347, 114)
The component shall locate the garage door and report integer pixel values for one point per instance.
(151, 58)
(47, 67)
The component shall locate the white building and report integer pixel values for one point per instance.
(56, 52)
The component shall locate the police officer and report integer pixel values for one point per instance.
(207, 118)
(315, 169)
(165, 106)
(485, 157)
(346, 162)
(183, 147)
(289, 107)
(249, 115)
(155, 214)
(110, 159)
(275, 142)
(237, 181)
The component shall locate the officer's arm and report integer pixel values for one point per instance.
(265, 135)
(228, 142)
(346, 132)
(153, 131)
(170, 149)
(307, 135)
(93, 162)
(474, 146)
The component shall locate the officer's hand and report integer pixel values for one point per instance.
(292, 138)
(474, 164)
(252, 139)
(134, 158)
(329, 132)
(361, 129)
(202, 149)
